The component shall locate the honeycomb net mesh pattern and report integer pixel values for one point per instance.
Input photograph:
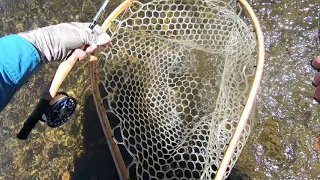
(177, 78)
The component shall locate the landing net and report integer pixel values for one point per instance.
(178, 78)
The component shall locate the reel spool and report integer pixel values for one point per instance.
(61, 109)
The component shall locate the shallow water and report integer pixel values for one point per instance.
(281, 146)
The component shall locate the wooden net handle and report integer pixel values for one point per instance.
(254, 90)
(113, 146)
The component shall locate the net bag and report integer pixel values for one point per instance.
(180, 77)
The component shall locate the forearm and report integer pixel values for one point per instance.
(20, 54)
(18, 61)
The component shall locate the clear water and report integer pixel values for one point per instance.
(283, 144)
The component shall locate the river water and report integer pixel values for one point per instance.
(283, 144)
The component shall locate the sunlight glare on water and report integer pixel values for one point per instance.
(283, 144)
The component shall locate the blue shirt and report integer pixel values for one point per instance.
(18, 61)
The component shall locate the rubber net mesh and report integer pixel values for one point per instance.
(177, 78)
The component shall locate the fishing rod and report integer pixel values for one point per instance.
(60, 108)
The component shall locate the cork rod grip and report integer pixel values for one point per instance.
(62, 72)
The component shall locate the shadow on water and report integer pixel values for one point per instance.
(96, 162)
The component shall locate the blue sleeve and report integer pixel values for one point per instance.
(18, 60)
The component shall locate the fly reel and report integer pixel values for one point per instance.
(54, 113)
(61, 109)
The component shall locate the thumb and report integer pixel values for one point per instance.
(103, 39)
(92, 38)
